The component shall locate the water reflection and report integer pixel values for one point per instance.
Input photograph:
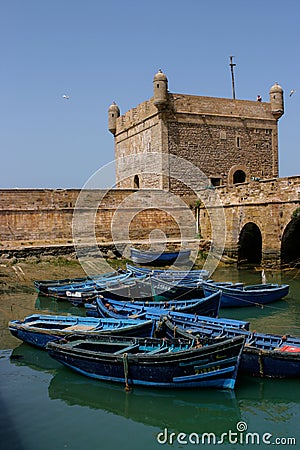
(36, 359)
(188, 410)
(271, 406)
(50, 306)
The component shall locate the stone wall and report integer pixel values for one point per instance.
(44, 217)
(138, 131)
(269, 204)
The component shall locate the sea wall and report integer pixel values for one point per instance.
(45, 217)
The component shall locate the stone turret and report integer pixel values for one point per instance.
(113, 114)
(160, 88)
(276, 100)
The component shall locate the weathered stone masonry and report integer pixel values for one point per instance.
(44, 217)
(229, 140)
(268, 204)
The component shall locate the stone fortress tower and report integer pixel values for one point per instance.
(231, 141)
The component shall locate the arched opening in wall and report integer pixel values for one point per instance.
(290, 244)
(250, 245)
(239, 176)
(136, 182)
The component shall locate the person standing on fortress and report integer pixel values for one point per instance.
(258, 98)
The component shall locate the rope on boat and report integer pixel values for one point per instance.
(175, 330)
(125, 366)
(260, 362)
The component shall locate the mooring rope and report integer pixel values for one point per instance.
(125, 366)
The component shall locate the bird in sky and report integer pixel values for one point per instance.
(292, 92)
(67, 97)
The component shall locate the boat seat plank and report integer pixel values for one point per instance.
(159, 350)
(126, 349)
(80, 328)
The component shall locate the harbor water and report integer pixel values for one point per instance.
(45, 406)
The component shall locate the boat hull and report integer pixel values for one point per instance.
(105, 307)
(39, 330)
(270, 363)
(236, 297)
(212, 366)
(264, 355)
(159, 258)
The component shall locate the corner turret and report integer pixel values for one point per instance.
(113, 114)
(276, 100)
(160, 88)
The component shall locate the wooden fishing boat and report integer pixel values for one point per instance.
(48, 287)
(169, 363)
(264, 355)
(237, 294)
(120, 288)
(157, 257)
(102, 307)
(43, 285)
(106, 307)
(165, 290)
(76, 298)
(38, 330)
(143, 288)
(192, 321)
(205, 306)
(151, 288)
(170, 274)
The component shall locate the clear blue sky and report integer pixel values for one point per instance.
(98, 51)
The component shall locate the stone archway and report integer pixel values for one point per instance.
(250, 245)
(238, 174)
(290, 243)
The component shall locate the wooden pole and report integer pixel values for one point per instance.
(232, 76)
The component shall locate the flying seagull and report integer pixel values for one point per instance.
(67, 97)
(292, 92)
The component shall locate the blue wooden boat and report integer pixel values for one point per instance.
(170, 274)
(38, 329)
(170, 290)
(181, 317)
(160, 258)
(237, 294)
(142, 288)
(106, 307)
(173, 363)
(48, 287)
(120, 288)
(264, 355)
(193, 321)
(205, 306)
